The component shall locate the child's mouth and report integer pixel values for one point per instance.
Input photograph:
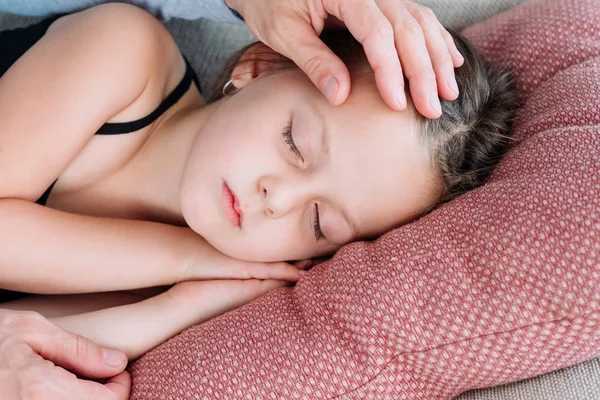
(230, 204)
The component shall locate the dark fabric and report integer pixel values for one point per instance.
(14, 43)
(9, 295)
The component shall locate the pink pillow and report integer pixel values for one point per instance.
(499, 285)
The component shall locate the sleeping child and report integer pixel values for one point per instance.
(117, 175)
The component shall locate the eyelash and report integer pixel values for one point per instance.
(317, 226)
(289, 140)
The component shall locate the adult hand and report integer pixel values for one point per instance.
(33, 350)
(400, 39)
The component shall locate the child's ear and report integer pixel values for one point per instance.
(257, 60)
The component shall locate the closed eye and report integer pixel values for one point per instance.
(289, 140)
(317, 225)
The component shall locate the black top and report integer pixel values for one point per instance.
(14, 43)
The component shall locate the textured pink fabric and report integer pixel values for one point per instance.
(499, 285)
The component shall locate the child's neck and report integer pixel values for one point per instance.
(155, 174)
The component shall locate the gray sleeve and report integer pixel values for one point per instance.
(163, 9)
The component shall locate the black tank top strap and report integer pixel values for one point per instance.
(118, 128)
(44, 198)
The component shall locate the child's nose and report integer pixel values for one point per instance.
(280, 198)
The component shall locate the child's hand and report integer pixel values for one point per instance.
(207, 299)
(190, 303)
(212, 264)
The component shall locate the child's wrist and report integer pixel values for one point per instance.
(195, 250)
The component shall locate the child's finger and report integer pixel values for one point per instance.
(277, 270)
(304, 264)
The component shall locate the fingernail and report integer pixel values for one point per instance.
(434, 100)
(453, 85)
(401, 98)
(330, 88)
(113, 358)
(460, 56)
(302, 273)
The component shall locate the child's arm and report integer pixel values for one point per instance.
(49, 251)
(137, 328)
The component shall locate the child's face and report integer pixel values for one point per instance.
(361, 166)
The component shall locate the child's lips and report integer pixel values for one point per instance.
(236, 207)
(231, 206)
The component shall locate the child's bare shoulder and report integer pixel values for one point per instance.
(90, 67)
(121, 28)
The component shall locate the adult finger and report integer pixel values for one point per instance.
(441, 59)
(301, 44)
(457, 58)
(72, 352)
(371, 28)
(415, 58)
(115, 388)
(119, 385)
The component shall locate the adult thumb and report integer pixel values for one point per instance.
(326, 70)
(76, 353)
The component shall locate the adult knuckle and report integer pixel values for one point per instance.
(38, 387)
(383, 29)
(444, 61)
(425, 14)
(22, 321)
(446, 35)
(312, 65)
(410, 27)
(82, 349)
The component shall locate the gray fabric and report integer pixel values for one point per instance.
(208, 45)
(163, 9)
(455, 14)
(458, 14)
(196, 39)
(580, 382)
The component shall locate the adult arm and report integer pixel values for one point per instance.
(36, 357)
